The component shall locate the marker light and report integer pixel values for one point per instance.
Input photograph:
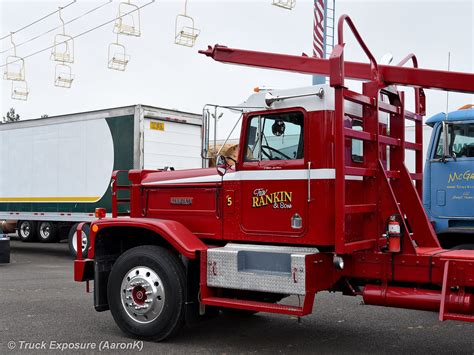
(100, 213)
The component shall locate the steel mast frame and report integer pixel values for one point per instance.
(421, 261)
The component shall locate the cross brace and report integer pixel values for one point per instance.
(390, 75)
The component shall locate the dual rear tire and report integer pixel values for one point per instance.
(27, 231)
(49, 232)
(43, 231)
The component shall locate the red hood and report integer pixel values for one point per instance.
(150, 178)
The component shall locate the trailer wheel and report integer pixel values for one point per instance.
(27, 231)
(72, 238)
(47, 232)
(146, 293)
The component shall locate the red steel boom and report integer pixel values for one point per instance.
(390, 75)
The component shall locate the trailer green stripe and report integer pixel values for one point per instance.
(50, 199)
(122, 130)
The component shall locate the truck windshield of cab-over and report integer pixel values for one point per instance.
(460, 141)
(275, 137)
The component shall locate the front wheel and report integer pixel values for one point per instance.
(146, 293)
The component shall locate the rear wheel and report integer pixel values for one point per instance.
(27, 231)
(47, 232)
(84, 240)
(146, 292)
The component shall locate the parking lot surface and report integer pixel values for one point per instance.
(42, 309)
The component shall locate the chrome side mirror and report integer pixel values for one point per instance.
(221, 165)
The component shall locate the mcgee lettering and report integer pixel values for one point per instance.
(465, 176)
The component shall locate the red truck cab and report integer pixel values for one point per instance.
(319, 199)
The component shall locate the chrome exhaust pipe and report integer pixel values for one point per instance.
(270, 98)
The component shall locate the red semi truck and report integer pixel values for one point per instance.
(314, 202)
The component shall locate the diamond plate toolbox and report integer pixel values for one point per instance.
(258, 268)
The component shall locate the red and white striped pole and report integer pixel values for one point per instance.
(319, 35)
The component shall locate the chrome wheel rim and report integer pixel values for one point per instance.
(25, 230)
(45, 230)
(142, 294)
(83, 242)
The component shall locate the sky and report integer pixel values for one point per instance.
(161, 73)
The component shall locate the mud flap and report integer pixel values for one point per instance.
(102, 270)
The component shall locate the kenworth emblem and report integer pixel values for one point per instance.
(181, 200)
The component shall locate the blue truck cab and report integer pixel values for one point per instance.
(448, 185)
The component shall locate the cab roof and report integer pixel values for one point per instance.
(459, 115)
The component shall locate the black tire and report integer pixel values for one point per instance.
(464, 247)
(47, 232)
(72, 241)
(27, 231)
(168, 316)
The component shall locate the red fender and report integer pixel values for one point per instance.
(175, 233)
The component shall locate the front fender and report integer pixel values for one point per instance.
(175, 233)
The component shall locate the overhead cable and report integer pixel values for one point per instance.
(39, 20)
(55, 28)
(83, 33)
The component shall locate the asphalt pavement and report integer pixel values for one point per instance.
(42, 310)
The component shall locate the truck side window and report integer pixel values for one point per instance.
(461, 141)
(275, 137)
(357, 144)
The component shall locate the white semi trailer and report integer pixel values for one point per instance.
(55, 171)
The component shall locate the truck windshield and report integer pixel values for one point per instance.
(275, 137)
(461, 141)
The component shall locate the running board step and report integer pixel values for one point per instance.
(264, 268)
(255, 306)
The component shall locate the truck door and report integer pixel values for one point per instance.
(273, 176)
(452, 180)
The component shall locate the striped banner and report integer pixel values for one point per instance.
(318, 31)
